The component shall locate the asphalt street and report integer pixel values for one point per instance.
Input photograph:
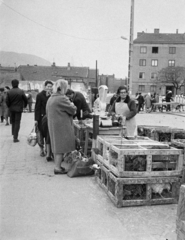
(38, 205)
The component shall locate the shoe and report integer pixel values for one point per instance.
(42, 154)
(49, 159)
(16, 140)
(62, 171)
(6, 124)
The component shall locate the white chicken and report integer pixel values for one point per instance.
(159, 187)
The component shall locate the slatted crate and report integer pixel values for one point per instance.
(180, 222)
(103, 144)
(180, 144)
(144, 160)
(79, 130)
(125, 192)
(161, 133)
(102, 176)
(143, 191)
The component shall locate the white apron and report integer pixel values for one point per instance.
(121, 108)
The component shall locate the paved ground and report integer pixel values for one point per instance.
(36, 205)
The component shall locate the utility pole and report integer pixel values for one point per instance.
(131, 46)
(96, 73)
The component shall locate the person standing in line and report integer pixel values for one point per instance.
(5, 107)
(60, 111)
(16, 100)
(40, 112)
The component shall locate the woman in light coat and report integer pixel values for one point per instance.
(60, 113)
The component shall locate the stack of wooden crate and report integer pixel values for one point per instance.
(161, 133)
(139, 171)
(181, 215)
(180, 144)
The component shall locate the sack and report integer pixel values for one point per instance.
(32, 138)
(81, 167)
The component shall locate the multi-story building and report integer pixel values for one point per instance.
(151, 53)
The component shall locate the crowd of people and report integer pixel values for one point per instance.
(56, 107)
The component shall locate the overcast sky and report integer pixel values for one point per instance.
(83, 31)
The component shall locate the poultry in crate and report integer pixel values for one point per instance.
(160, 187)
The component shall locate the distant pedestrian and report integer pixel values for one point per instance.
(1, 105)
(6, 111)
(168, 99)
(148, 102)
(140, 102)
(30, 100)
(16, 100)
(40, 112)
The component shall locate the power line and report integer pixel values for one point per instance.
(56, 31)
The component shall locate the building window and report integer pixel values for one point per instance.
(141, 88)
(153, 88)
(153, 75)
(172, 50)
(171, 63)
(142, 62)
(143, 50)
(155, 49)
(142, 75)
(154, 63)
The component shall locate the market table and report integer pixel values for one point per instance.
(173, 105)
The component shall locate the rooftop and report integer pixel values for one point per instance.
(160, 38)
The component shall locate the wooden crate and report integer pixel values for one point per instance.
(180, 144)
(180, 223)
(161, 133)
(79, 129)
(138, 191)
(138, 161)
(103, 143)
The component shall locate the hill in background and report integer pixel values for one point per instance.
(12, 59)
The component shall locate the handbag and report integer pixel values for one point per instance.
(32, 138)
(81, 167)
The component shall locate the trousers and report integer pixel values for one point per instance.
(16, 120)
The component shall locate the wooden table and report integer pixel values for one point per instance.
(102, 131)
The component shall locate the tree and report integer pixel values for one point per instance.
(173, 75)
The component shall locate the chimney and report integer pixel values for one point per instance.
(68, 66)
(140, 33)
(177, 31)
(156, 30)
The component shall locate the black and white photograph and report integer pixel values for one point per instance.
(92, 120)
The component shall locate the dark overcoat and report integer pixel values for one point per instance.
(40, 105)
(60, 113)
(16, 100)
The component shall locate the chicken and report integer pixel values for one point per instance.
(159, 187)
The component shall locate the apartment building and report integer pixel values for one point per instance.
(151, 53)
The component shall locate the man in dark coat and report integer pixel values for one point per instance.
(16, 100)
(140, 102)
(168, 99)
(83, 110)
(40, 111)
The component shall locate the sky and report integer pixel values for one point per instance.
(80, 32)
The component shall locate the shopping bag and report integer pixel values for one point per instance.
(32, 138)
(81, 167)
